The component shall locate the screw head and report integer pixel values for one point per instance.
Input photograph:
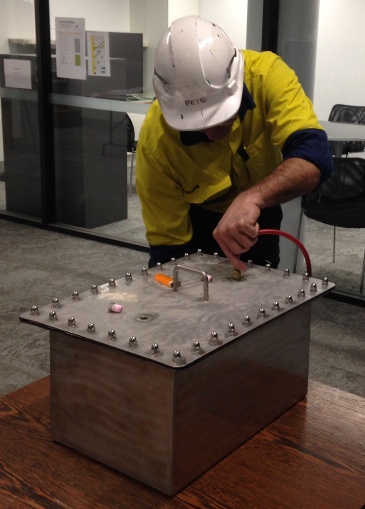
(71, 322)
(90, 327)
(246, 320)
(231, 329)
(214, 340)
(196, 347)
(155, 348)
(132, 341)
(112, 334)
(178, 358)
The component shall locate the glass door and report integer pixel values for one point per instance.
(20, 174)
(99, 100)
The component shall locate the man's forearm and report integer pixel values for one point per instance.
(292, 178)
(238, 229)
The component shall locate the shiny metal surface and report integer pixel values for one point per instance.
(155, 314)
(144, 378)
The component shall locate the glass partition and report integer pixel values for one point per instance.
(94, 139)
(20, 175)
(97, 84)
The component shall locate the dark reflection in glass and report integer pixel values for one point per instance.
(20, 121)
(90, 166)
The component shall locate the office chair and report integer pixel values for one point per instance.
(350, 115)
(340, 200)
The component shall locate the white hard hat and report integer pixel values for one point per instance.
(198, 77)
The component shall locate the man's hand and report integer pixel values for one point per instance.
(238, 229)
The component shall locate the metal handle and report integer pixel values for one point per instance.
(204, 276)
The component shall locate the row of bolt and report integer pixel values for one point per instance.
(94, 289)
(144, 271)
(196, 348)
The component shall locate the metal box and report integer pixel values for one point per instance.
(169, 386)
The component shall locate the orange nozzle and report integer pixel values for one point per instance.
(163, 279)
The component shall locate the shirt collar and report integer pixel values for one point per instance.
(189, 138)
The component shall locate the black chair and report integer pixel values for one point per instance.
(350, 115)
(340, 200)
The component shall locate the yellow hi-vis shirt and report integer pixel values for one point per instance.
(170, 176)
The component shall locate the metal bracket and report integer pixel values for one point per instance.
(204, 277)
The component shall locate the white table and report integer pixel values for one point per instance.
(340, 133)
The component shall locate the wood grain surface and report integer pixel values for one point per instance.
(313, 456)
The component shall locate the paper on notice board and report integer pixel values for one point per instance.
(98, 53)
(70, 48)
(17, 73)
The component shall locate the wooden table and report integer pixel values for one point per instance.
(312, 457)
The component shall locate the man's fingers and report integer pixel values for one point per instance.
(233, 258)
(235, 243)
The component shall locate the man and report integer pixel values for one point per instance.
(231, 136)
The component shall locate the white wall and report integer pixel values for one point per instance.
(18, 18)
(178, 9)
(230, 15)
(232, 18)
(106, 15)
(340, 65)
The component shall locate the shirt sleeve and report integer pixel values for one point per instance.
(311, 145)
(164, 209)
(293, 123)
